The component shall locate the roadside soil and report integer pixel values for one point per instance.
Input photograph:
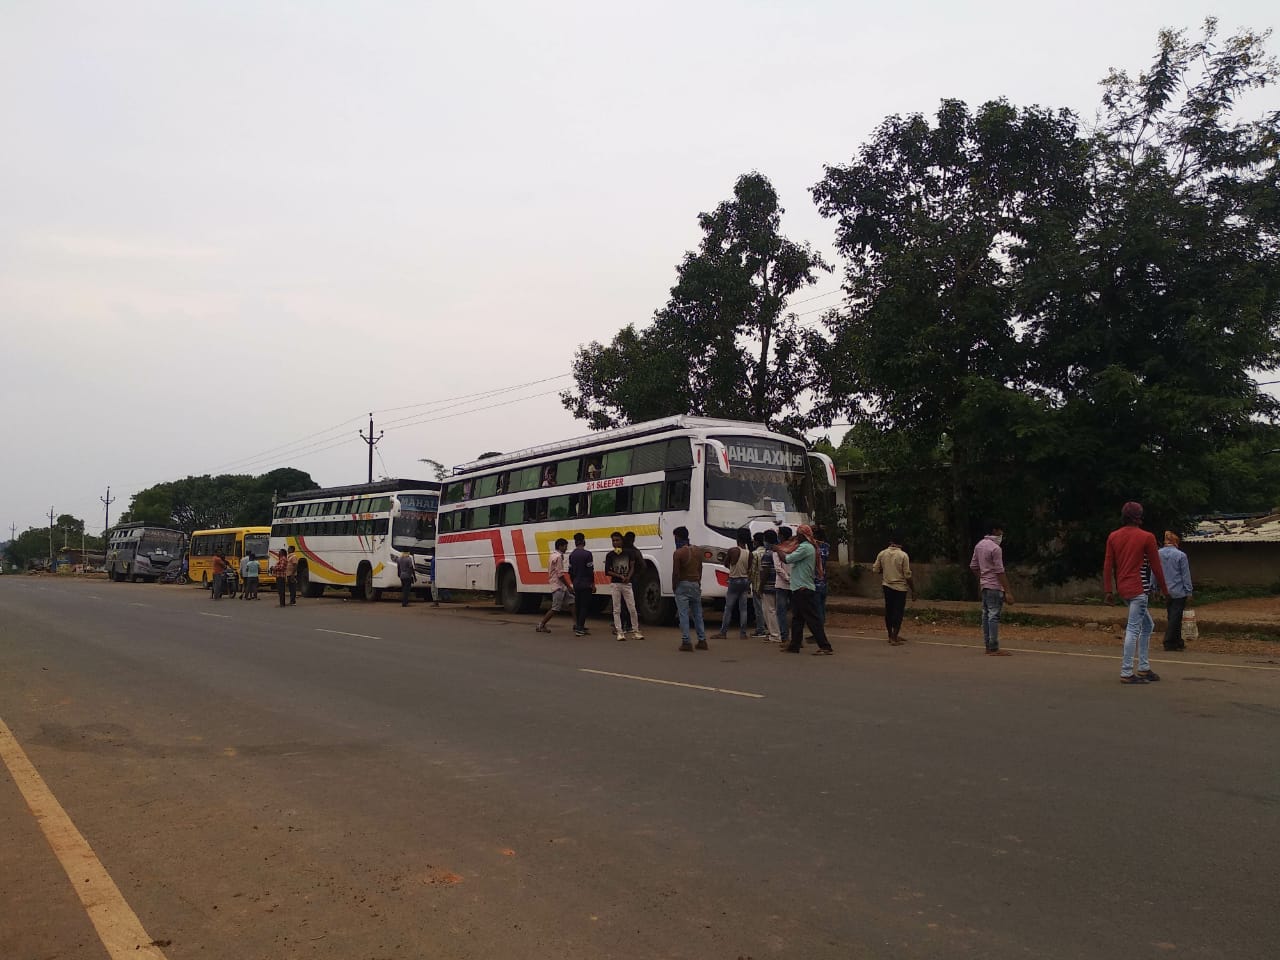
(1105, 635)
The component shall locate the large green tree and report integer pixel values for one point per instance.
(935, 221)
(206, 502)
(1148, 333)
(1062, 320)
(723, 345)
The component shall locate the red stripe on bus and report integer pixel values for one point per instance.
(524, 572)
(306, 552)
(493, 536)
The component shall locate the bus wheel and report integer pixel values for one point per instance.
(364, 588)
(653, 608)
(308, 589)
(508, 597)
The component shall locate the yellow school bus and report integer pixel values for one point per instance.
(233, 543)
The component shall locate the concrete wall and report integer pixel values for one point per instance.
(1233, 564)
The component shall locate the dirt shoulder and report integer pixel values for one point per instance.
(929, 623)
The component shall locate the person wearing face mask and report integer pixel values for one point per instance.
(988, 564)
(619, 569)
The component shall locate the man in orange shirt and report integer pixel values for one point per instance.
(1126, 549)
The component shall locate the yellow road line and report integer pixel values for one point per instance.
(674, 683)
(118, 927)
(1069, 653)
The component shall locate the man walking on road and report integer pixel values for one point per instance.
(988, 564)
(407, 574)
(561, 585)
(1122, 564)
(686, 584)
(894, 567)
(582, 572)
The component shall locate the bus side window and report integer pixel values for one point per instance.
(617, 463)
(678, 487)
(592, 468)
(558, 508)
(535, 510)
(512, 513)
(679, 452)
(567, 471)
(650, 458)
(603, 502)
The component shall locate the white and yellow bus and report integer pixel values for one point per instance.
(500, 516)
(352, 536)
(234, 543)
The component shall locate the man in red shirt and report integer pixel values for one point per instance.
(1126, 549)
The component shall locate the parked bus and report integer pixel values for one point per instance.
(136, 551)
(352, 536)
(234, 543)
(499, 517)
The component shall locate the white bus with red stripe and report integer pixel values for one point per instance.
(500, 517)
(352, 536)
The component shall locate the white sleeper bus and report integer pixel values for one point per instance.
(352, 536)
(500, 516)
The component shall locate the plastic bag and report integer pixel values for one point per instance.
(1190, 629)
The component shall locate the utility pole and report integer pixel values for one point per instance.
(108, 500)
(51, 536)
(371, 440)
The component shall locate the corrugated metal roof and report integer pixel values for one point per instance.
(1234, 530)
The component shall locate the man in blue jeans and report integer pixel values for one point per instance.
(1127, 547)
(738, 560)
(686, 584)
(988, 564)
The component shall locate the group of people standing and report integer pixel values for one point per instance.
(572, 577)
(1132, 567)
(780, 574)
(783, 575)
(285, 570)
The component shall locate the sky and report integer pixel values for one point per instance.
(230, 230)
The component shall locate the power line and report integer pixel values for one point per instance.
(323, 445)
(816, 296)
(322, 437)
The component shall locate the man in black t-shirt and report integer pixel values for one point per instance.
(582, 571)
(620, 567)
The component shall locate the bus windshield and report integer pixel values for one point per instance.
(257, 544)
(768, 480)
(413, 529)
(161, 541)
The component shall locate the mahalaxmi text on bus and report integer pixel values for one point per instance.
(234, 543)
(138, 551)
(500, 516)
(352, 536)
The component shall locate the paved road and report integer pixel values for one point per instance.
(260, 783)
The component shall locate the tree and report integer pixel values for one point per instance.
(720, 344)
(1147, 335)
(438, 468)
(205, 502)
(934, 222)
(1063, 322)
